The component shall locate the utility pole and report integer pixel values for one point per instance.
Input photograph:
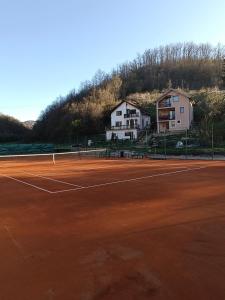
(186, 143)
(146, 137)
(165, 143)
(223, 72)
(212, 141)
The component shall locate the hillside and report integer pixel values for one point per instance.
(12, 130)
(197, 69)
(29, 124)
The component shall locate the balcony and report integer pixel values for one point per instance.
(167, 105)
(123, 127)
(166, 117)
(164, 104)
(131, 115)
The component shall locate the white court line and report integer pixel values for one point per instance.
(26, 183)
(71, 171)
(14, 241)
(104, 184)
(52, 179)
(129, 180)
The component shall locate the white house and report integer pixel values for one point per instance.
(127, 121)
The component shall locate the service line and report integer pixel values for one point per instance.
(100, 184)
(52, 179)
(131, 179)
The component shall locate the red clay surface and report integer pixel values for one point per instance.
(159, 236)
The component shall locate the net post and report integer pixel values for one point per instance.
(53, 158)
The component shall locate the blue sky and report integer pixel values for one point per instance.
(48, 47)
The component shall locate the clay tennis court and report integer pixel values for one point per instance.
(112, 229)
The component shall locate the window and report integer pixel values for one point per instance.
(167, 102)
(114, 136)
(118, 124)
(181, 109)
(131, 112)
(172, 115)
(175, 98)
(119, 113)
(128, 133)
(173, 124)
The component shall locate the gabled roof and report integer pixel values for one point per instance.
(133, 104)
(182, 93)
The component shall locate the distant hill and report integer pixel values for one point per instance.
(12, 130)
(29, 124)
(189, 66)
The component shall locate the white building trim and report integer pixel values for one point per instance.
(127, 120)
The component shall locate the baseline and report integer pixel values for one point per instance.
(26, 183)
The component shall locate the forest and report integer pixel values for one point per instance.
(195, 68)
(198, 69)
(12, 130)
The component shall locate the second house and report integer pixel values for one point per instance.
(174, 111)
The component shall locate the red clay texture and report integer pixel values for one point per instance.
(112, 229)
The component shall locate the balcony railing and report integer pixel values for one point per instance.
(164, 105)
(166, 118)
(131, 115)
(122, 127)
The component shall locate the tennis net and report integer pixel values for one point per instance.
(12, 161)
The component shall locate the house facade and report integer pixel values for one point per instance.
(127, 120)
(174, 111)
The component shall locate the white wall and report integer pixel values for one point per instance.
(142, 120)
(120, 134)
(123, 107)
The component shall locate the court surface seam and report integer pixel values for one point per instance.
(16, 244)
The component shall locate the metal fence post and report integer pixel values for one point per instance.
(186, 143)
(165, 143)
(212, 141)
